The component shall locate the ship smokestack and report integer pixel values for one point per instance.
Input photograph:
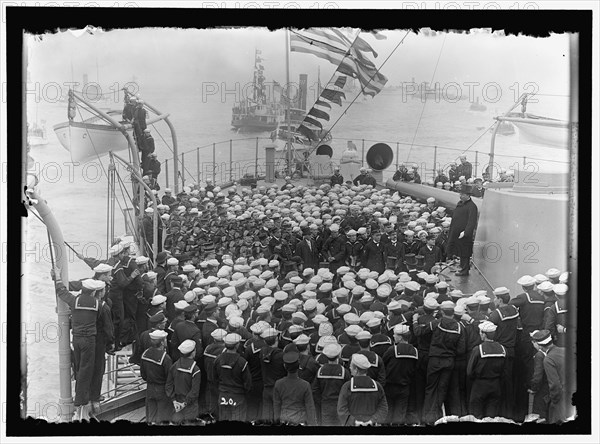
(302, 92)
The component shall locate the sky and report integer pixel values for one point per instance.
(158, 56)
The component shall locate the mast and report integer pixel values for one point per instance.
(287, 91)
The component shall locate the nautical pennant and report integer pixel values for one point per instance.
(333, 96)
(319, 114)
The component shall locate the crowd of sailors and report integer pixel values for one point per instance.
(455, 177)
(321, 306)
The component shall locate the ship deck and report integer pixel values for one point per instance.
(469, 284)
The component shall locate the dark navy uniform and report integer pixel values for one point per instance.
(252, 349)
(210, 355)
(272, 369)
(507, 319)
(556, 315)
(308, 368)
(362, 399)
(422, 330)
(154, 368)
(173, 296)
(85, 311)
(400, 365)
(104, 338)
(380, 344)
(235, 380)
(554, 366)
(377, 369)
(183, 385)
(326, 391)
(293, 401)
(447, 338)
(187, 330)
(485, 369)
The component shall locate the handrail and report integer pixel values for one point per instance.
(227, 169)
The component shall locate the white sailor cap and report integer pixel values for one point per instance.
(158, 299)
(218, 334)
(553, 273)
(360, 361)
(188, 268)
(430, 199)
(187, 346)
(172, 261)
(526, 280)
(487, 327)
(546, 287)
(141, 260)
(92, 284)
(102, 268)
(115, 249)
(158, 334)
(500, 291)
(180, 305)
(149, 210)
(401, 329)
(560, 289)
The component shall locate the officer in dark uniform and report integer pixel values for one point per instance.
(485, 370)
(155, 364)
(334, 248)
(308, 366)
(85, 311)
(292, 396)
(447, 338)
(187, 330)
(183, 384)
(362, 401)
(173, 296)
(393, 253)
(373, 257)
(462, 230)
(327, 385)
(506, 318)
(234, 379)
(272, 369)
(400, 365)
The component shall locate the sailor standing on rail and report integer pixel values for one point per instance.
(85, 311)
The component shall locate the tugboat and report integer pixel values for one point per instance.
(257, 113)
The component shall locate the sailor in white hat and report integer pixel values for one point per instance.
(155, 364)
(85, 309)
(400, 363)
(183, 383)
(362, 400)
(329, 380)
(487, 363)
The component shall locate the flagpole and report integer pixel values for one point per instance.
(362, 87)
(287, 92)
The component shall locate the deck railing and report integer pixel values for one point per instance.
(230, 160)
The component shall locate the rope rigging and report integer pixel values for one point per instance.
(425, 101)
